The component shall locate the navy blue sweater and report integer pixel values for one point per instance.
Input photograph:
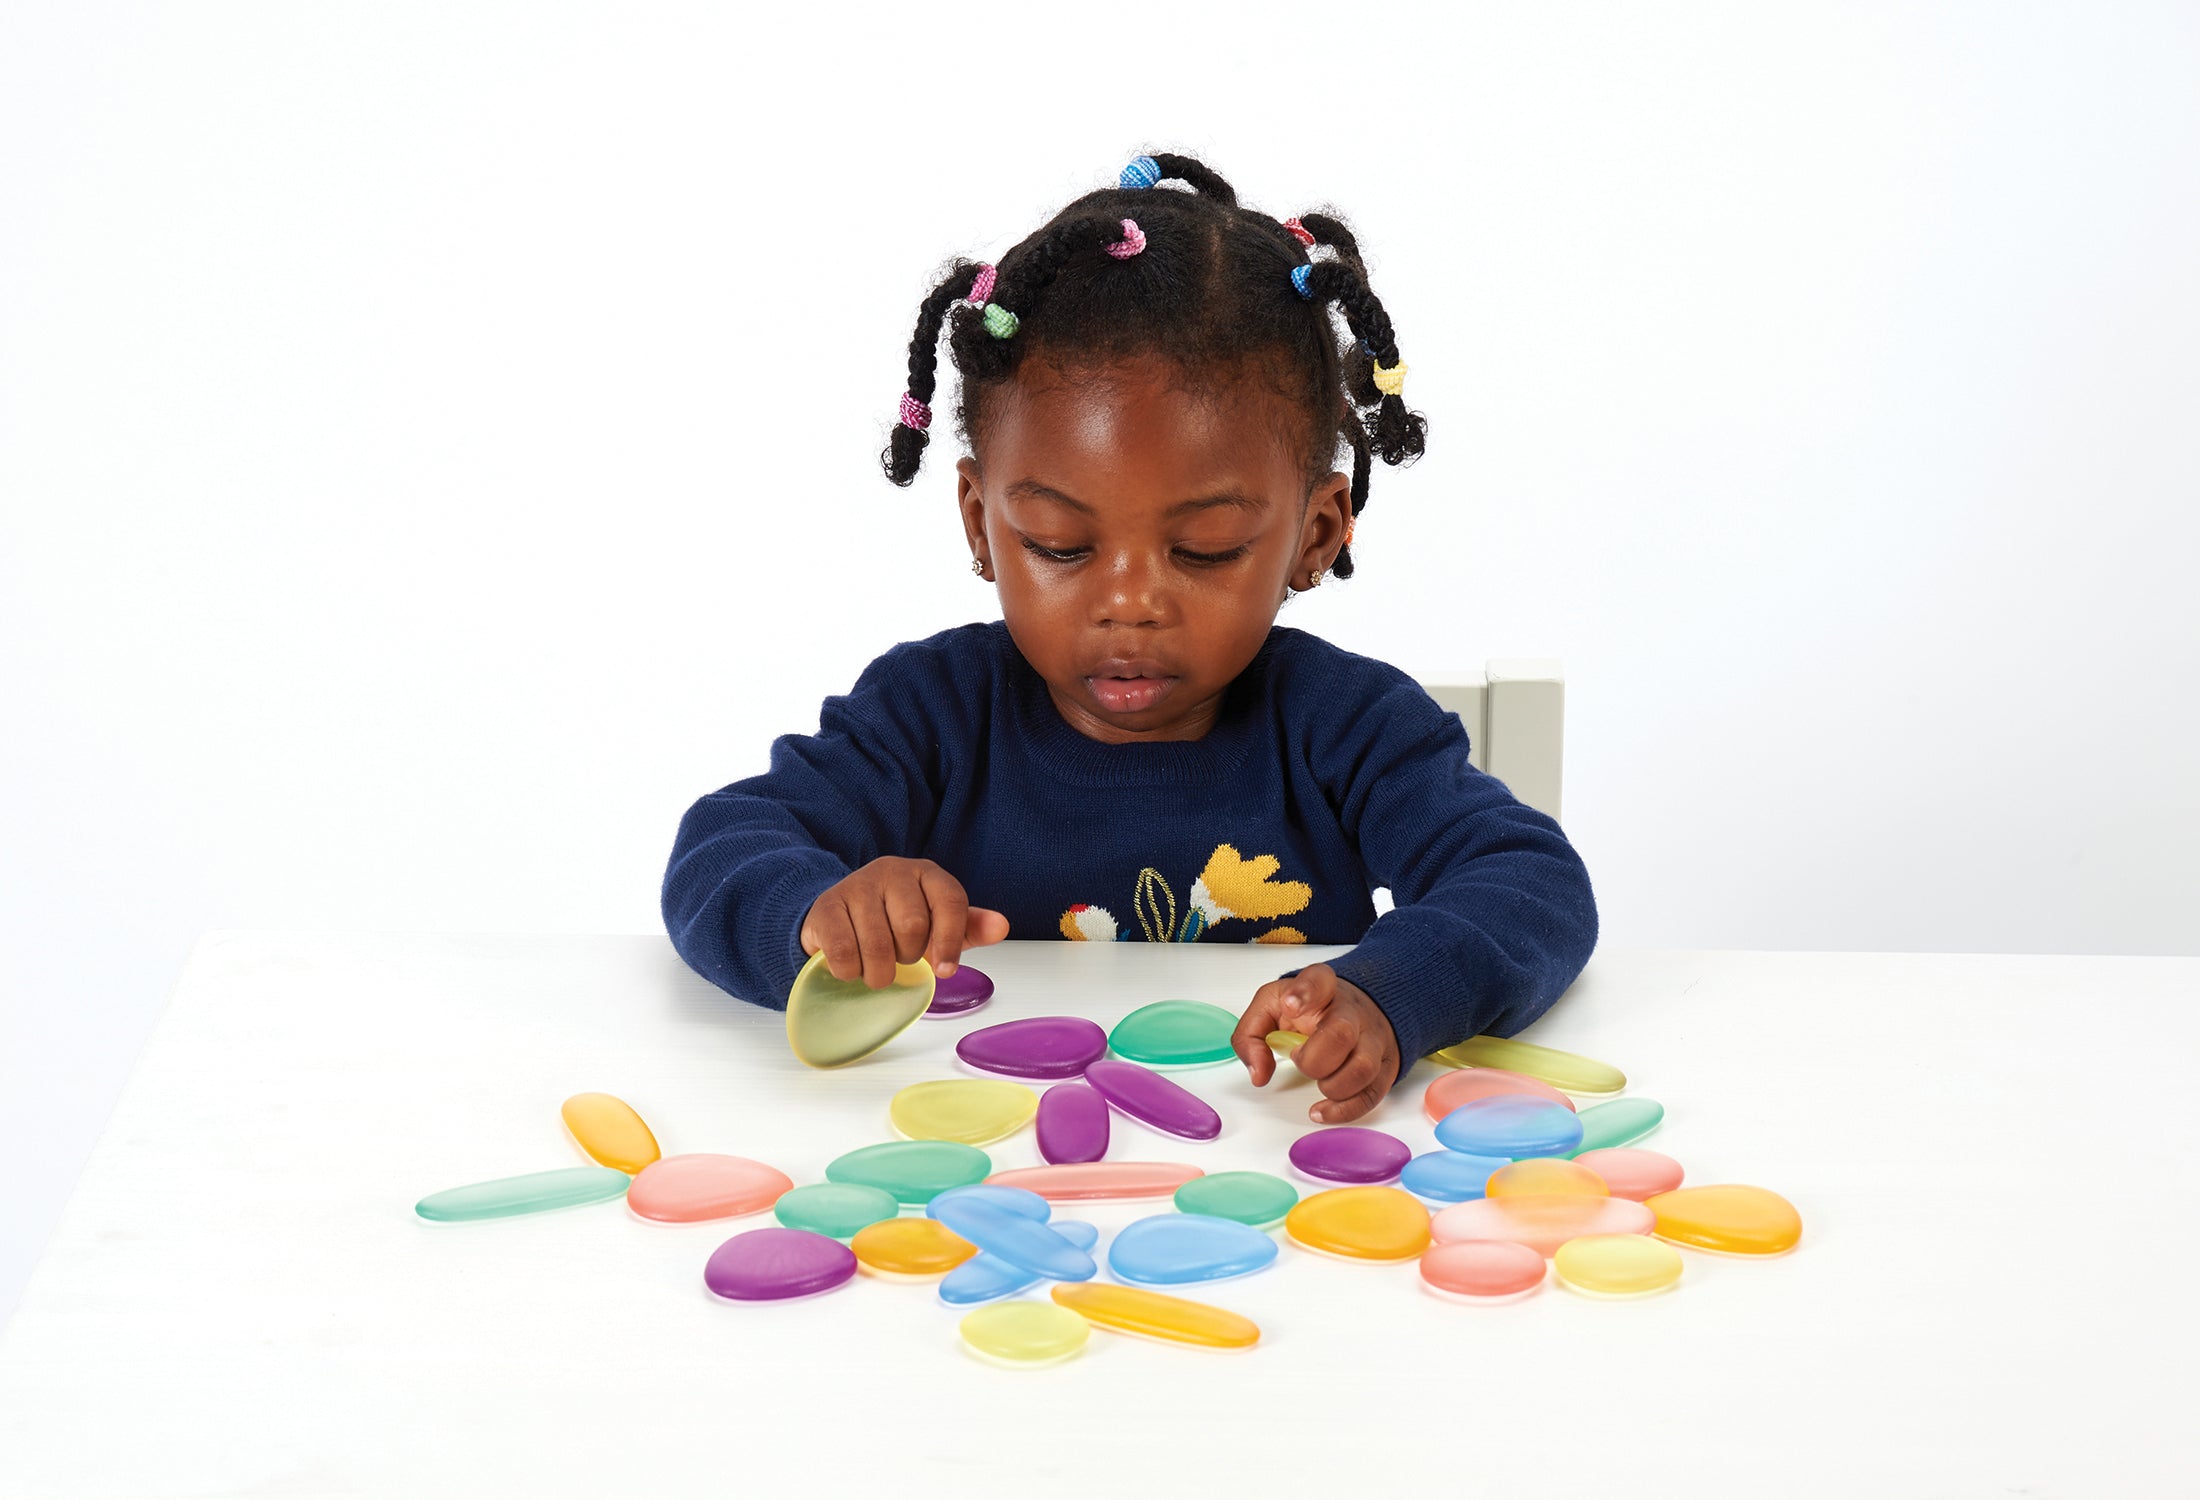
(1326, 775)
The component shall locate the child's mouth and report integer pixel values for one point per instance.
(1129, 695)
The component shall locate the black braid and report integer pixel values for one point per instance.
(905, 448)
(1202, 178)
(1400, 436)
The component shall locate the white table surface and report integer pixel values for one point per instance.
(1994, 1293)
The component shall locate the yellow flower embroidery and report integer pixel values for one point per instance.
(1281, 935)
(1234, 886)
(1230, 886)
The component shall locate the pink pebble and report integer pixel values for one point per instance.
(1633, 1173)
(1482, 1268)
(703, 1185)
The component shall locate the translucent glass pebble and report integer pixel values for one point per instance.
(1254, 1198)
(832, 1022)
(835, 1209)
(1617, 1265)
(534, 1193)
(1286, 1042)
(1538, 1175)
(1035, 1047)
(1152, 1100)
(912, 1170)
(1618, 1121)
(1349, 1153)
(770, 1265)
(959, 993)
(1024, 1334)
(702, 1185)
(1561, 1070)
(1018, 1201)
(1728, 1217)
(609, 1130)
(1092, 1181)
(1174, 1248)
(1543, 1223)
(1073, 1123)
(1510, 1125)
(1447, 1091)
(1020, 1241)
(1449, 1176)
(1361, 1223)
(1485, 1270)
(1157, 1315)
(985, 1277)
(974, 1111)
(1174, 1034)
(910, 1249)
(1633, 1173)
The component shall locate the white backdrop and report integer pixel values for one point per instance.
(437, 444)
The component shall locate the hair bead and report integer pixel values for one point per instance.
(1302, 281)
(1143, 172)
(1300, 232)
(999, 321)
(1133, 241)
(1391, 381)
(981, 290)
(915, 413)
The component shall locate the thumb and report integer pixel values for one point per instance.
(984, 925)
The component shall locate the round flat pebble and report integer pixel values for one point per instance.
(1617, 1265)
(974, 1111)
(1535, 1176)
(1092, 1181)
(1633, 1173)
(1152, 1100)
(1024, 1334)
(1170, 1249)
(835, 1209)
(701, 1185)
(959, 993)
(1510, 1125)
(1035, 1047)
(1361, 1223)
(910, 1249)
(1449, 1176)
(832, 1022)
(770, 1265)
(1073, 1123)
(1018, 1201)
(1254, 1198)
(1174, 1034)
(1447, 1091)
(1564, 1070)
(1488, 1270)
(1349, 1153)
(1618, 1121)
(1542, 1224)
(913, 1171)
(1727, 1217)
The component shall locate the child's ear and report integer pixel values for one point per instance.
(970, 499)
(1328, 517)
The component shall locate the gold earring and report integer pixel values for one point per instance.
(1315, 581)
(977, 566)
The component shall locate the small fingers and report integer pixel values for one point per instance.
(1328, 1046)
(908, 917)
(1356, 1087)
(1250, 1040)
(985, 926)
(874, 939)
(948, 910)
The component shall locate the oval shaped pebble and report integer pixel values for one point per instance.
(1286, 1042)
(1447, 1091)
(703, 1185)
(1024, 1334)
(1617, 1122)
(832, 1022)
(835, 1209)
(1617, 1265)
(912, 1170)
(1073, 1123)
(1253, 1198)
(910, 1249)
(1727, 1217)
(770, 1265)
(1350, 1153)
(1538, 1175)
(1152, 1100)
(1485, 1270)
(1035, 1047)
(1018, 1201)
(975, 1111)
(1361, 1223)
(1174, 1034)
(1510, 1125)
(1631, 1173)
(1156, 1315)
(985, 1277)
(1020, 1241)
(1169, 1249)
(959, 993)
(1544, 1223)
(1092, 1181)
(532, 1193)
(1449, 1176)
(1561, 1070)
(608, 1129)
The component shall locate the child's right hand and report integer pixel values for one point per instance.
(893, 911)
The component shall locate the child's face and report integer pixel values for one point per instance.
(1103, 470)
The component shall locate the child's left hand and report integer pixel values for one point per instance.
(1350, 1048)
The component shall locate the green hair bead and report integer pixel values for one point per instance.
(999, 321)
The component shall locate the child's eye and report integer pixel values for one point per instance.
(1053, 554)
(1211, 559)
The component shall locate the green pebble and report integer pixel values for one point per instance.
(534, 1193)
(913, 1171)
(1617, 1122)
(1254, 1198)
(837, 1209)
(1174, 1034)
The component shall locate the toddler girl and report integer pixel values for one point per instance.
(1153, 399)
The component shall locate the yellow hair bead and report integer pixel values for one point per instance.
(1391, 382)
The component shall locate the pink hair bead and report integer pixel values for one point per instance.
(915, 413)
(981, 290)
(1300, 232)
(1133, 241)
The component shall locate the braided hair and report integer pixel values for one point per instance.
(1214, 288)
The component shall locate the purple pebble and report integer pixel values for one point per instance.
(960, 993)
(1073, 1124)
(1149, 1098)
(768, 1265)
(1350, 1153)
(1036, 1047)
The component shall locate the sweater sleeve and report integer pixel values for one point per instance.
(751, 858)
(1494, 916)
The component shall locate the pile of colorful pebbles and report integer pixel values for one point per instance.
(1535, 1171)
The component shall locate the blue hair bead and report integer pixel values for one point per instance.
(1143, 172)
(1302, 280)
